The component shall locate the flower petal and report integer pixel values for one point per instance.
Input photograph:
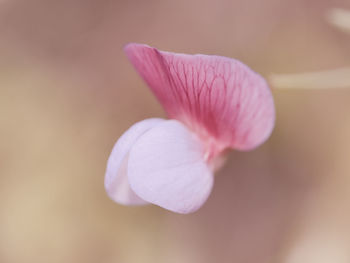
(167, 168)
(217, 97)
(116, 180)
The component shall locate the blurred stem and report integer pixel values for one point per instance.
(336, 78)
(340, 18)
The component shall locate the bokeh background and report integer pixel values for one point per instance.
(67, 92)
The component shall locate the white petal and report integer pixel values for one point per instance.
(116, 180)
(166, 167)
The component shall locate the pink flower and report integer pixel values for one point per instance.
(214, 103)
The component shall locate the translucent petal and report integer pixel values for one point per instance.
(221, 99)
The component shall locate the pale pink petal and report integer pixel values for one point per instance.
(217, 97)
(166, 167)
(116, 180)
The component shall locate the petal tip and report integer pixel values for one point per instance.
(134, 47)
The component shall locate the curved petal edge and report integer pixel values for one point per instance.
(116, 180)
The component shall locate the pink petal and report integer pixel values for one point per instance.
(116, 180)
(167, 168)
(217, 97)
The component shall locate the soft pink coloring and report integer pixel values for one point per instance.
(214, 103)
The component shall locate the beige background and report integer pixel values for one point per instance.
(67, 92)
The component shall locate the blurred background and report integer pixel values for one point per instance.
(67, 92)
